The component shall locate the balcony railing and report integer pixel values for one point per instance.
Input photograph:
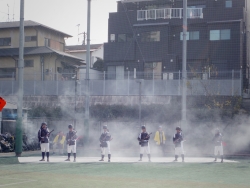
(168, 13)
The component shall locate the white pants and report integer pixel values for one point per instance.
(145, 149)
(103, 149)
(218, 149)
(178, 151)
(71, 148)
(44, 147)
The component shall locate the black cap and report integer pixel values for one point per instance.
(105, 127)
(43, 123)
(178, 128)
(143, 127)
(70, 126)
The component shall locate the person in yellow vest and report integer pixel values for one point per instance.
(58, 143)
(160, 139)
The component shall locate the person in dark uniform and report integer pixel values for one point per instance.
(178, 143)
(43, 137)
(105, 143)
(71, 142)
(143, 139)
(218, 147)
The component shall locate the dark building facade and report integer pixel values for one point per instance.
(146, 36)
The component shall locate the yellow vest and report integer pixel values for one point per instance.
(157, 137)
(62, 140)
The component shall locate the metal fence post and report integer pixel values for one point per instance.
(179, 90)
(128, 83)
(116, 86)
(104, 82)
(232, 82)
(57, 84)
(241, 80)
(209, 72)
(34, 83)
(153, 83)
(12, 83)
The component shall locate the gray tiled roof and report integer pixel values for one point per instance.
(29, 23)
(9, 52)
(82, 47)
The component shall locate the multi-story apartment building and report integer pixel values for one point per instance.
(146, 36)
(44, 53)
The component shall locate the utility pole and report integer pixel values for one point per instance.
(184, 67)
(140, 82)
(19, 134)
(8, 12)
(78, 25)
(86, 122)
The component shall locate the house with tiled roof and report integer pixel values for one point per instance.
(44, 53)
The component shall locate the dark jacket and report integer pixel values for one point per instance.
(217, 139)
(43, 135)
(143, 139)
(104, 138)
(71, 138)
(177, 138)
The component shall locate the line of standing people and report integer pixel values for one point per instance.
(105, 138)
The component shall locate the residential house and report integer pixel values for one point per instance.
(96, 52)
(44, 53)
(146, 36)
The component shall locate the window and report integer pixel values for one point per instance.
(192, 35)
(229, 4)
(121, 37)
(7, 72)
(5, 41)
(153, 36)
(224, 34)
(197, 6)
(30, 38)
(28, 63)
(125, 37)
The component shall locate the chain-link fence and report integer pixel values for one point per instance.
(227, 83)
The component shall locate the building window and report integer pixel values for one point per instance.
(229, 4)
(7, 72)
(153, 36)
(125, 37)
(192, 35)
(197, 6)
(224, 34)
(121, 37)
(28, 63)
(30, 38)
(5, 41)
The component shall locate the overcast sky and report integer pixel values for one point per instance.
(64, 15)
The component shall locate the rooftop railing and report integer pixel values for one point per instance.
(168, 13)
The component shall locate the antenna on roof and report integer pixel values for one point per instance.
(84, 37)
(8, 13)
(14, 11)
(78, 25)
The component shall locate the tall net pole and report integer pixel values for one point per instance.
(86, 122)
(184, 67)
(19, 135)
